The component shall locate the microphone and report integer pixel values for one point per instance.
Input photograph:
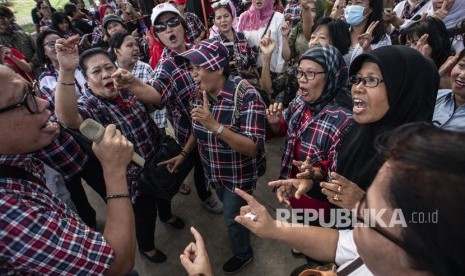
(95, 131)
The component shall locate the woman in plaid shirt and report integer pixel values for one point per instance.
(315, 119)
(229, 123)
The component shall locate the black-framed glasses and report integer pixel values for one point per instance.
(369, 81)
(361, 215)
(29, 101)
(161, 26)
(50, 44)
(218, 4)
(309, 75)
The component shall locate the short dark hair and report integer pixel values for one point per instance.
(69, 9)
(43, 59)
(428, 176)
(5, 11)
(338, 32)
(438, 37)
(90, 53)
(116, 40)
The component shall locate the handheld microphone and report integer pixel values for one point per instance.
(95, 131)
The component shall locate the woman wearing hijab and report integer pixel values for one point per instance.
(241, 56)
(387, 92)
(315, 119)
(256, 23)
(214, 29)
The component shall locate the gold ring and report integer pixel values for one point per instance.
(336, 198)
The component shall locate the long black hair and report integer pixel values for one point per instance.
(43, 59)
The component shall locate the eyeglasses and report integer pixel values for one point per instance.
(50, 44)
(310, 75)
(367, 81)
(29, 101)
(377, 228)
(161, 26)
(218, 4)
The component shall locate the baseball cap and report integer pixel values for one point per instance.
(209, 54)
(162, 8)
(109, 18)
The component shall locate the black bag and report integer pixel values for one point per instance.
(157, 181)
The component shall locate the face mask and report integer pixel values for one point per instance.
(354, 14)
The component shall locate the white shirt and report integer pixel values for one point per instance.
(346, 253)
(254, 36)
(400, 7)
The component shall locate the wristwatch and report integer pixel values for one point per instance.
(219, 130)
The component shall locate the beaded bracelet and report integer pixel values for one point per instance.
(117, 196)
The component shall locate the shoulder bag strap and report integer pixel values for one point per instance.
(237, 112)
(351, 267)
(16, 172)
(267, 26)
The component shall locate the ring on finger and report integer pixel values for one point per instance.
(336, 198)
(339, 189)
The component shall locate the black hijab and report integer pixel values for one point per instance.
(411, 82)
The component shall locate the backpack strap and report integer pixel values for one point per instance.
(238, 91)
(351, 267)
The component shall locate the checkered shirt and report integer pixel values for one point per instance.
(194, 26)
(39, 234)
(176, 87)
(318, 136)
(241, 55)
(294, 10)
(223, 166)
(97, 37)
(132, 121)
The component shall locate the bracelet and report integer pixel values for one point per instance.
(117, 196)
(67, 83)
(219, 130)
(184, 154)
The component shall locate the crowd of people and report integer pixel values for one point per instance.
(369, 95)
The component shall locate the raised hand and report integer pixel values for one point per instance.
(448, 65)
(67, 52)
(195, 259)
(123, 79)
(444, 10)
(291, 188)
(366, 38)
(274, 113)
(285, 29)
(262, 225)
(305, 168)
(203, 115)
(423, 47)
(341, 191)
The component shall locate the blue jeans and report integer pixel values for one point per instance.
(239, 236)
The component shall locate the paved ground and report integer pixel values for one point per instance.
(271, 258)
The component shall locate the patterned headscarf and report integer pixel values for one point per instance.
(336, 74)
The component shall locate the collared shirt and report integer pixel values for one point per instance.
(131, 118)
(318, 136)
(294, 10)
(445, 114)
(223, 166)
(194, 26)
(177, 88)
(48, 83)
(241, 55)
(39, 234)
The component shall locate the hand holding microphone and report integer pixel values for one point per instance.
(110, 146)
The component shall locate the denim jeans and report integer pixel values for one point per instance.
(239, 236)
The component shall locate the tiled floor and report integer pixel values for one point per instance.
(270, 257)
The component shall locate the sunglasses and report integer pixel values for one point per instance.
(221, 3)
(161, 26)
